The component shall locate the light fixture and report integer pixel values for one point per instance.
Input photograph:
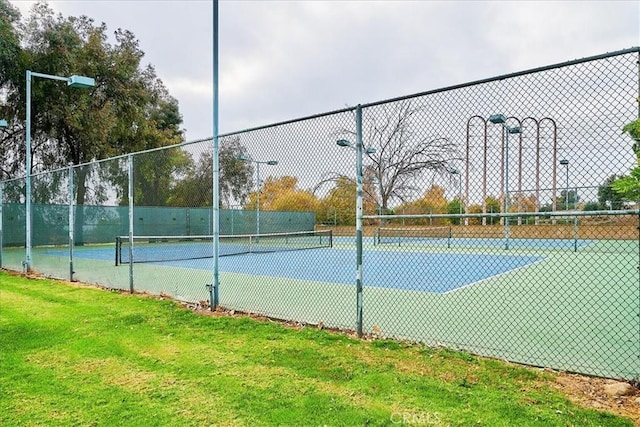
(75, 81)
(500, 119)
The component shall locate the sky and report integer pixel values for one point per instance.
(281, 60)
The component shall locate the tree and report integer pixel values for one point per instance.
(340, 203)
(475, 209)
(296, 201)
(628, 187)
(403, 152)
(455, 207)
(11, 73)
(131, 105)
(492, 206)
(431, 202)
(236, 176)
(608, 197)
(235, 180)
(561, 201)
(592, 206)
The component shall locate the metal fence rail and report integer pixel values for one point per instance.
(478, 217)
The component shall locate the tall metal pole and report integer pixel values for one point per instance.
(359, 182)
(258, 200)
(71, 223)
(566, 195)
(460, 196)
(506, 187)
(1, 203)
(73, 81)
(131, 230)
(214, 297)
(27, 200)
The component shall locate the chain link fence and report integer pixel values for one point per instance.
(478, 217)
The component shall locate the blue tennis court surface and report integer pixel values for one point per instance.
(405, 270)
(416, 271)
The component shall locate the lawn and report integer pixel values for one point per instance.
(79, 355)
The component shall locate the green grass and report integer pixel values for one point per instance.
(74, 355)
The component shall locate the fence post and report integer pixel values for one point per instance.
(213, 297)
(1, 203)
(131, 205)
(359, 180)
(71, 223)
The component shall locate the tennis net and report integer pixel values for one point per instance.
(387, 235)
(177, 248)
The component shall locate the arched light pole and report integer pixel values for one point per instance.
(501, 120)
(258, 163)
(73, 81)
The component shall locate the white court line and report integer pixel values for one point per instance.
(492, 277)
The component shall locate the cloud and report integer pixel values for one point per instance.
(281, 60)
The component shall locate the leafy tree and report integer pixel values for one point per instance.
(296, 201)
(236, 176)
(492, 206)
(455, 207)
(154, 176)
(432, 201)
(11, 72)
(628, 187)
(592, 206)
(128, 110)
(269, 192)
(235, 180)
(475, 209)
(340, 203)
(561, 201)
(608, 196)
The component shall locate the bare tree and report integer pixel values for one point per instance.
(405, 150)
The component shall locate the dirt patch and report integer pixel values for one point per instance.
(589, 392)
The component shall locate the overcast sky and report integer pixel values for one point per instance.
(281, 60)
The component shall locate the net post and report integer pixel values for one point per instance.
(117, 254)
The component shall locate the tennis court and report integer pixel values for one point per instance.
(527, 304)
(281, 255)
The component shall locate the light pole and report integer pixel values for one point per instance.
(258, 163)
(501, 120)
(457, 172)
(3, 124)
(72, 81)
(565, 163)
(359, 147)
